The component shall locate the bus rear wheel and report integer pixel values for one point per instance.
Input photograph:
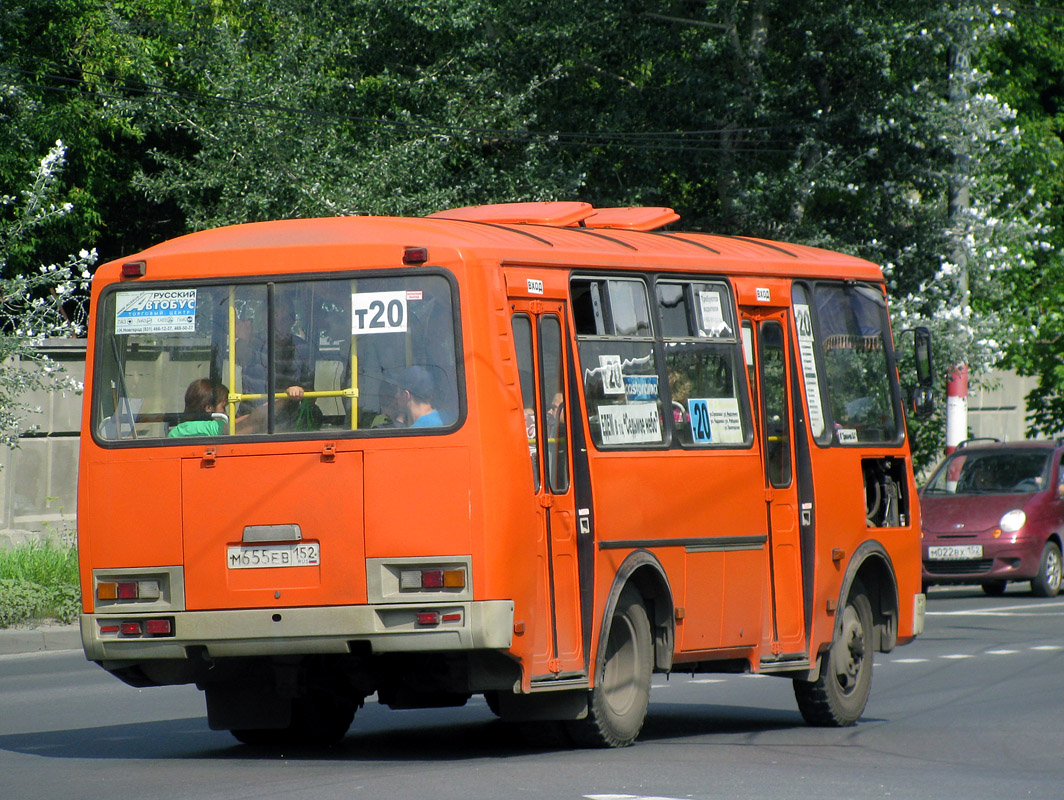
(617, 705)
(837, 698)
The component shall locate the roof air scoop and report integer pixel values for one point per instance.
(564, 214)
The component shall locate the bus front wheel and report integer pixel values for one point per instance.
(617, 705)
(837, 698)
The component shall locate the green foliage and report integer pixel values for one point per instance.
(37, 304)
(921, 135)
(39, 582)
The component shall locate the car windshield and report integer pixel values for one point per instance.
(997, 472)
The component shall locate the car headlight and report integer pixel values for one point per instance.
(1013, 520)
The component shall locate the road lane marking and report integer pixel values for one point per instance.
(1006, 611)
(1001, 652)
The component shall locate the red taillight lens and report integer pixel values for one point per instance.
(130, 629)
(428, 618)
(127, 590)
(432, 579)
(134, 269)
(158, 627)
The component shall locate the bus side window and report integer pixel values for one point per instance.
(702, 359)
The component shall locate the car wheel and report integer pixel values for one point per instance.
(839, 695)
(1047, 582)
(994, 588)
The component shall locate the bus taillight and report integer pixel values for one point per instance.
(414, 579)
(128, 590)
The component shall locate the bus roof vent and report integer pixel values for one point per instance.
(561, 214)
(637, 218)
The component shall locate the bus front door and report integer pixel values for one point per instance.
(540, 341)
(767, 342)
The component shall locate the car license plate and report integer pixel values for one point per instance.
(303, 554)
(955, 552)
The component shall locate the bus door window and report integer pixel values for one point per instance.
(774, 411)
(522, 327)
(552, 381)
(747, 332)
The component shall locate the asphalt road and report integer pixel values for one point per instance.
(973, 709)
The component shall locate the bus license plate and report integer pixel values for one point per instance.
(304, 554)
(955, 552)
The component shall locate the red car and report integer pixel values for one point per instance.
(993, 512)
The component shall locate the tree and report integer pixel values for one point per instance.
(34, 306)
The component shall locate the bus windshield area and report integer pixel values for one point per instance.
(850, 322)
(372, 355)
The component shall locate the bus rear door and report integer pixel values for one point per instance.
(542, 353)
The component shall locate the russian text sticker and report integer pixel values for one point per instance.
(715, 420)
(713, 323)
(641, 388)
(156, 311)
(633, 423)
(804, 322)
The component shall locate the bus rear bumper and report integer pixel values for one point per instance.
(483, 625)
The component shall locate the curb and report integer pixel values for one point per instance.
(15, 641)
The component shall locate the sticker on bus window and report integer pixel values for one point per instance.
(713, 323)
(715, 420)
(612, 377)
(156, 311)
(633, 423)
(804, 322)
(847, 435)
(378, 312)
(641, 388)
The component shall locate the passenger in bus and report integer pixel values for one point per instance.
(204, 413)
(292, 371)
(416, 398)
(555, 413)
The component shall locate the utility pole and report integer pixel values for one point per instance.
(958, 212)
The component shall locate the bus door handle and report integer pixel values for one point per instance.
(546, 500)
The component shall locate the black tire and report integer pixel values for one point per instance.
(617, 705)
(318, 720)
(1047, 582)
(838, 697)
(994, 588)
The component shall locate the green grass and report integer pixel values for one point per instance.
(39, 582)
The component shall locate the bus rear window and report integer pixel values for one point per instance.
(373, 355)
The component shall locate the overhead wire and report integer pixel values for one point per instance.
(142, 92)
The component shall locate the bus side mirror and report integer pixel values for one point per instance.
(922, 395)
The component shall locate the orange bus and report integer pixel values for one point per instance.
(534, 451)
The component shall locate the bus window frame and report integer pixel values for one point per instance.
(605, 314)
(733, 343)
(829, 438)
(264, 279)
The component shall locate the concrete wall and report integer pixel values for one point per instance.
(999, 409)
(38, 481)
